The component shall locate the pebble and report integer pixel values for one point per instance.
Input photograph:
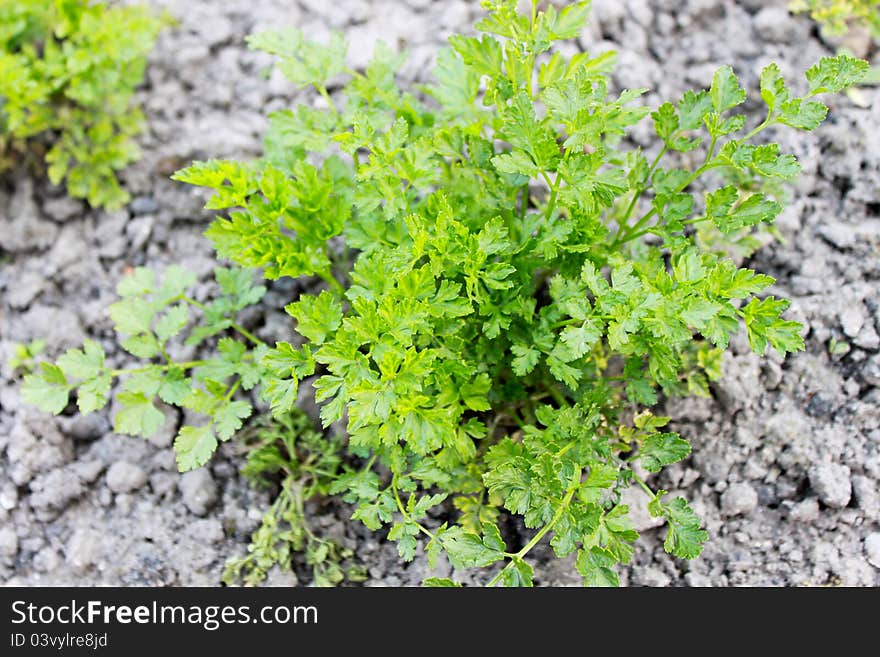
(138, 231)
(209, 530)
(59, 327)
(30, 452)
(739, 499)
(27, 286)
(88, 471)
(838, 234)
(85, 428)
(62, 209)
(109, 234)
(872, 549)
(84, 548)
(163, 483)
(143, 205)
(806, 511)
(198, 490)
(47, 559)
(868, 338)
(775, 24)
(8, 542)
(852, 319)
(697, 580)
(871, 371)
(832, 484)
(55, 490)
(8, 496)
(867, 496)
(69, 248)
(26, 233)
(650, 576)
(23, 227)
(124, 477)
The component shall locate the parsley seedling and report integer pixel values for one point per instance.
(68, 69)
(507, 285)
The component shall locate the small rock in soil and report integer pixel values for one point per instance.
(8, 542)
(775, 24)
(84, 548)
(143, 205)
(63, 208)
(124, 477)
(872, 549)
(198, 490)
(739, 499)
(832, 484)
(24, 229)
(852, 318)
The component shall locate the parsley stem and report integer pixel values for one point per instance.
(335, 285)
(192, 302)
(635, 230)
(406, 514)
(770, 120)
(524, 202)
(188, 365)
(558, 397)
(233, 325)
(232, 390)
(641, 482)
(638, 193)
(326, 96)
(250, 336)
(554, 190)
(638, 229)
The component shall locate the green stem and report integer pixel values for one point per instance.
(633, 232)
(637, 231)
(335, 285)
(326, 96)
(232, 390)
(638, 193)
(406, 515)
(524, 201)
(233, 325)
(192, 302)
(558, 397)
(188, 365)
(766, 123)
(554, 191)
(563, 507)
(641, 482)
(250, 336)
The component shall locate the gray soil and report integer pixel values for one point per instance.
(786, 457)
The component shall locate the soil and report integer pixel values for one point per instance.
(786, 459)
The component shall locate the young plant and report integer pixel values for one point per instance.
(68, 70)
(304, 464)
(24, 356)
(507, 287)
(837, 16)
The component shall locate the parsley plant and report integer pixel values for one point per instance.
(68, 69)
(508, 286)
(837, 16)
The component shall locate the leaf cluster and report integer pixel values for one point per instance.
(838, 16)
(68, 71)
